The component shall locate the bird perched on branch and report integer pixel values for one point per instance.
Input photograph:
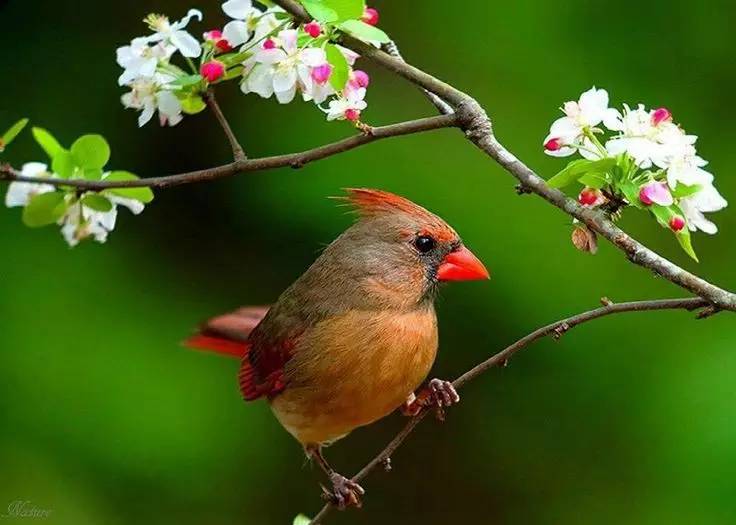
(353, 338)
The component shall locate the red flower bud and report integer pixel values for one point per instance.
(589, 197)
(269, 44)
(313, 29)
(370, 16)
(321, 74)
(677, 223)
(352, 115)
(554, 144)
(661, 115)
(213, 70)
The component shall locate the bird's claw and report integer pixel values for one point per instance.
(439, 394)
(345, 492)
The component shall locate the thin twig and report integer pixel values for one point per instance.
(238, 153)
(502, 358)
(478, 129)
(294, 160)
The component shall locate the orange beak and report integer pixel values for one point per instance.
(461, 265)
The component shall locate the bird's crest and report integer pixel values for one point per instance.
(371, 203)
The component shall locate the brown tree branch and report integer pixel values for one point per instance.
(478, 129)
(294, 160)
(238, 153)
(555, 329)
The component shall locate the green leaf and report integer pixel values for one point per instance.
(340, 68)
(301, 519)
(683, 237)
(683, 190)
(144, 195)
(663, 214)
(91, 152)
(631, 192)
(570, 173)
(97, 202)
(232, 59)
(47, 141)
(63, 164)
(13, 132)
(363, 31)
(594, 180)
(319, 11)
(234, 72)
(346, 9)
(44, 209)
(187, 81)
(192, 104)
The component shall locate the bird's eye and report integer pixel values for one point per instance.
(424, 243)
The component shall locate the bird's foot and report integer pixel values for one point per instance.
(438, 394)
(345, 492)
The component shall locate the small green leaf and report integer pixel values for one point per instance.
(232, 59)
(44, 209)
(93, 174)
(663, 214)
(63, 164)
(683, 237)
(192, 104)
(90, 151)
(144, 195)
(47, 141)
(187, 81)
(319, 11)
(594, 180)
(340, 68)
(363, 31)
(96, 202)
(13, 132)
(301, 519)
(234, 72)
(683, 190)
(569, 173)
(631, 192)
(346, 9)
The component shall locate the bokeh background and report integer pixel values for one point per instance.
(104, 418)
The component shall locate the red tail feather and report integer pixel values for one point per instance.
(215, 344)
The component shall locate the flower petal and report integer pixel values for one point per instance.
(238, 9)
(186, 43)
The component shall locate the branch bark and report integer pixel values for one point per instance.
(238, 153)
(556, 329)
(293, 160)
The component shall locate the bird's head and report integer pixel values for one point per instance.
(399, 248)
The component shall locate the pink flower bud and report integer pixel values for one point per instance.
(655, 193)
(352, 114)
(554, 144)
(370, 16)
(313, 29)
(215, 37)
(212, 70)
(269, 44)
(321, 74)
(359, 79)
(677, 223)
(590, 197)
(661, 115)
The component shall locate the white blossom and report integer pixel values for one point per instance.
(174, 34)
(149, 95)
(706, 200)
(347, 106)
(21, 193)
(279, 70)
(568, 132)
(139, 60)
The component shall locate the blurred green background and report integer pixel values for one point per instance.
(104, 418)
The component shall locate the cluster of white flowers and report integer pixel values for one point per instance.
(273, 59)
(78, 221)
(664, 163)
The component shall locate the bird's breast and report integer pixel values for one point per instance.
(354, 369)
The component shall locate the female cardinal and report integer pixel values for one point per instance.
(356, 334)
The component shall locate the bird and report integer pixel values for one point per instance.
(353, 338)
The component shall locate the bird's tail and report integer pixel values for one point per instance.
(228, 334)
